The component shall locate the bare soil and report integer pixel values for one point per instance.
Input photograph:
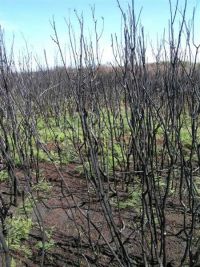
(79, 228)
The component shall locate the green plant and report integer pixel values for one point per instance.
(13, 263)
(48, 245)
(43, 186)
(134, 200)
(18, 228)
(81, 168)
(186, 137)
(27, 207)
(113, 156)
(160, 183)
(49, 242)
(42, 156)
(3, 175)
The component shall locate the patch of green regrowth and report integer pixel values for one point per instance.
(134, 200)
(46, 135)
(42, 124)
(20, 225)
(113, 156)
(186, 137)
(49, 131)
(3, 176)
(13, 263)
(43, 187)
(27, 206)
(67, 155)
(48, 243)
(18, 229)
(82, 168)
(41, 155)
(17, 161)
(160, 182)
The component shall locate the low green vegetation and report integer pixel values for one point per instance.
(3, 176)
(43, 188)
(18, 229)
(134, 200)
(20, 224)
(49, 243)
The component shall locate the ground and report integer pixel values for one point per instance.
(76, 230)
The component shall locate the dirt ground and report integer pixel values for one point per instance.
(79, 229)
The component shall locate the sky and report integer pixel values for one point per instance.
(29, 23)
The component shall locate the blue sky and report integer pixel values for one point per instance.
(30, 20)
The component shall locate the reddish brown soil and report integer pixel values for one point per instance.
(79, 229)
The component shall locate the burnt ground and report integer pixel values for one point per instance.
(74, 216)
